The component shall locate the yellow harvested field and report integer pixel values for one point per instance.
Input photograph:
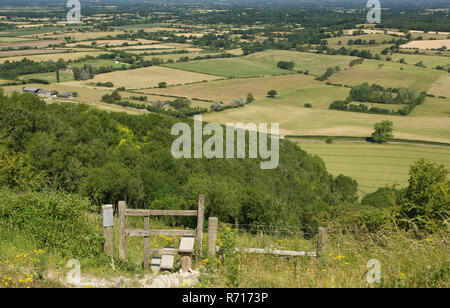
(55, 56)
(225, 90)
(80, 36)
(236, 52)
(176, 56)
(145, 78)
(149, 46)
(14, 53)
(12, 39)
(112, 42)
(432, 44)
(296, 120)
(441, 87)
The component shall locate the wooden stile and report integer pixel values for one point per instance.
(122, 228)
(213, 223)
(186, 245)
(200, 217)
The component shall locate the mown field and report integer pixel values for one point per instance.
(233, 67)
(390, 74)
(428, 60)
(146, 78)
(294, 119)
(316, 64)
(291, 86)
(50, 77)
(374, 165)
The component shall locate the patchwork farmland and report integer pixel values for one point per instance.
(93, 175)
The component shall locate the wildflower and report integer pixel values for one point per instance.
(402, 276)
(429, 239)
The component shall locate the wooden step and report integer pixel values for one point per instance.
(187, 244)
(167, 260)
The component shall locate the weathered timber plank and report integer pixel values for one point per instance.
(132, 212)
(142, 233)
(167, 262)
(187, 244)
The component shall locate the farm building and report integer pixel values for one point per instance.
(47, 94)
(30, 90)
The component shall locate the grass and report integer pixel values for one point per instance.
(98, 63)
(428, 60)
(316, 64)
(232, 67)
(424, 124)
(55, 55)
(389, 75)
(146, 78)
(177, 56)
(344, 264)
(374, 165)
(378, 37)
(293, 90)
(50, 77)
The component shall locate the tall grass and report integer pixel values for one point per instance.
(406, 261)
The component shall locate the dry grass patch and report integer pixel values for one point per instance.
(433, 44)
(55, 56)
(146, 78)
(225, 90)
(389, 75)
(296, 120)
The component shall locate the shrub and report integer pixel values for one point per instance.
(425, 204)
(162, 85)
(272, 93)
(38, 80)
(383, 132)
(56, 221)
(286, 65)
(307, 105)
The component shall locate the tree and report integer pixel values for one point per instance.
(286, 65)
(250, 98)
(162, 85)
(57, 76)
(425, 203)
(272, 93)
(216, 106)
(383, 131)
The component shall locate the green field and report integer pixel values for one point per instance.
(50, 77)
(294, 119)
(378, 37)
(389, 74)
(428, 60)
(98, 63)
(233, 67)
(374, 165)
(315, 63)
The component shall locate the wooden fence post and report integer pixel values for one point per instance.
(321, 241)
(213, 223)
(200, 217)
(122, 235)
(146, 242)
(108, 228)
